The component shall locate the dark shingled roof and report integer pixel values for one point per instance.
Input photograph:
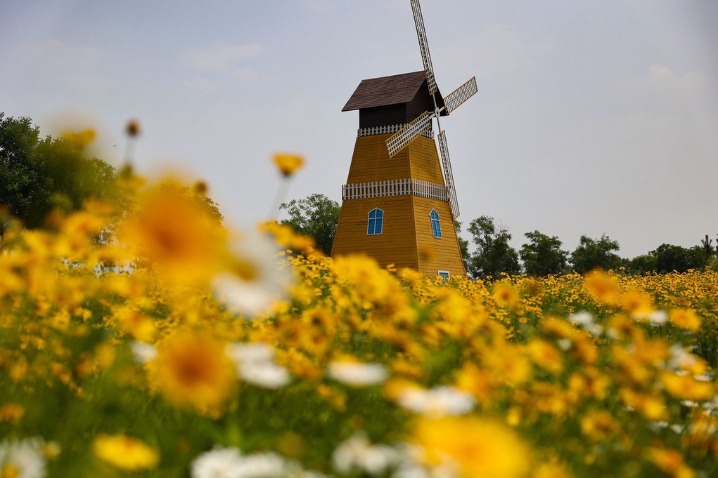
(387, 90)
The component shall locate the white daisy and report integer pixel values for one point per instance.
(255, 364)
(439, 401)
(22, 458)
(217, 463)
(357, 454)
(358, 374)
(262, 465)
(255, 278)
(142, 352)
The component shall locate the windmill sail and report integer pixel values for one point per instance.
(448, 175)
(457, 97)
(424, 46)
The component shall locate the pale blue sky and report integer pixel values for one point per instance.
(592, 117)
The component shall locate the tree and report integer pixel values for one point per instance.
(670, 258)
(463, 246)
(315, 216)
(595, 254)
(38, 175)
(642, 264)
(494, 255)
(542, 255)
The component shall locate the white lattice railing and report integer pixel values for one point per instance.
(395, 187)
(429, 133)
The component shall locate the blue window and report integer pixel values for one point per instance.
(376, 221)
(435, 224)
(444, 274)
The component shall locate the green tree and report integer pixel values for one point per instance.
(493, 254)
(595, 254)
(543, 255)
(670, 258)
(463, 246)
(40, 174)
(642, 264)
(315, 216)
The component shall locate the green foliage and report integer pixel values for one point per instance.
(670, 258)
(463, 246)
(494, 255)
(543, 255)
(315, 216)
(38, 175)
(595, 254)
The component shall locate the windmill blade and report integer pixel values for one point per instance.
(457, 97)
(423, 46)
(448, 174)
(406, 135)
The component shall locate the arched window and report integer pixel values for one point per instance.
(376, 222)
(435, 224)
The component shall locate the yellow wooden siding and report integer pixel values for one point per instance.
(436, 253)
(395, 245)
(407, 239)
(371, 161)
(425, 160)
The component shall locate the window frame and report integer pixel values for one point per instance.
(435, 224)
(446, 275)
(377, 221)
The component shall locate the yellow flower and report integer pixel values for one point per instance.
(174, 232)
(685, 319)
(11, 412)
(671, 462)
(125, 452)
(603, 287)
(546, 356)
(478, 446)
(288, 164)
(599, 425)
(80, 138)
(685, 387)
(506, 295)
(193, 370)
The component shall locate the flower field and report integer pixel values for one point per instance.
(182, 347)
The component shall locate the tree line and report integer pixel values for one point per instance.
(489, 254)
(40, 176)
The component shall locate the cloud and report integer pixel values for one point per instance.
(220, 57)
(498, 49)
(661, 77)
(200, 84)
(250, 76)
(61, 62)
(321, 5)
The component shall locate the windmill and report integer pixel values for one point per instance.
(399, 192)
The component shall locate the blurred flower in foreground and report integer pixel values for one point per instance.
(479, 447)
(254, 276)
(192, 369)
(288, 164)
(125, 453)
(436, 402)
(133, 128)
(357, 374)
(255, 364)
(216, 463)
(22, 459)
(174, 233)
(358, 454)
(81, 139)
(231, 463)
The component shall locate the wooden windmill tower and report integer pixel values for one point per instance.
(399, 202)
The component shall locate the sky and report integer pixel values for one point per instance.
(592, 117)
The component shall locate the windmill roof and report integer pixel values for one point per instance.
(387, 90)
